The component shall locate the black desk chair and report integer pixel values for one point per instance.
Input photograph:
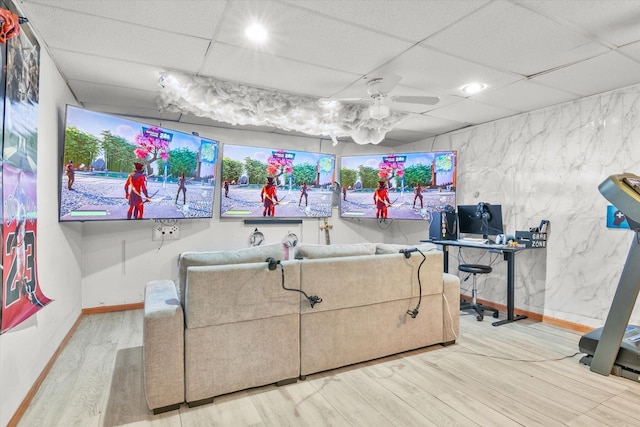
(473, 304)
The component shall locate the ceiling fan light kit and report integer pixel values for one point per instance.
(378, 110)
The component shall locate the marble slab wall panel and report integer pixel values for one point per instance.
(548, 164)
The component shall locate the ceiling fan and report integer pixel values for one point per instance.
(378, 89)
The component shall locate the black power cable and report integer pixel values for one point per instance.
(407, 254)
(313, 299)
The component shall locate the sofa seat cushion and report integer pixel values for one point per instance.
(331, 339)
(309, 251)
(235, 356)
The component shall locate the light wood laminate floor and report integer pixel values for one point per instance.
(517, 374)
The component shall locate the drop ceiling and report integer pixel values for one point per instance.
(531, 54)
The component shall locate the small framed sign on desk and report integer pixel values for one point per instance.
(532, 239)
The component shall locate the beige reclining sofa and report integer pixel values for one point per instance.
(234, 321)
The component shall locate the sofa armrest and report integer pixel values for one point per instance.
(163, 346)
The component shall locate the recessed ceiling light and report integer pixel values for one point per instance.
(256, 33)
(473, 88)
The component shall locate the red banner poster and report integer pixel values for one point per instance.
(21, 293)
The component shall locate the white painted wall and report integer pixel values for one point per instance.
(26, 349)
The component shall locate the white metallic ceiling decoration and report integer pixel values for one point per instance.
(239, 104)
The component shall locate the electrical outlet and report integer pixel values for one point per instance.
(166, 232)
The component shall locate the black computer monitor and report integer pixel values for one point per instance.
(483, 218)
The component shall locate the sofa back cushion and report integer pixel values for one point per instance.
(359, 281)
(224, 294)
(309, 251)
(393, 248)
(240, 256)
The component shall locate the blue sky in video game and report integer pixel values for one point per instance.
(95, 123)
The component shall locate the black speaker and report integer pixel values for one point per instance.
(443, 226)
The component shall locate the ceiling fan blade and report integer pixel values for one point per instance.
(352, 99)
(344, 99)
(427, 100)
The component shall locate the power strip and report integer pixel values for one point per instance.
(166, 232)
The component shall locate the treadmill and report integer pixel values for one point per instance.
(615, 348)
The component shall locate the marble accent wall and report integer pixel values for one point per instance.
(548, 164)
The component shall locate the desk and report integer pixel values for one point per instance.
(509, 253)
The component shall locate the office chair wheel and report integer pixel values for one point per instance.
(495, 315)
(480, 317)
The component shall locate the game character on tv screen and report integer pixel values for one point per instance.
(303, 193)
(71, 174)
(269, 197)
(137, 183)
(417, 194)
(381, 200)
(182, 187)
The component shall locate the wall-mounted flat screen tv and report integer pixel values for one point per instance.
(119, 169)
(262, 182)
(398, 186)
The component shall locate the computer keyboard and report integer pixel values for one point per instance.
(473, 240)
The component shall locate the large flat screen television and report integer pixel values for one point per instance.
(398, 186)
(118, 169)
(260, 182)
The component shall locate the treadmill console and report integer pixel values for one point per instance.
(623, 192)
(633, 183)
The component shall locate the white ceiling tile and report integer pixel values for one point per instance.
(113, 95)
(107, 71)
(631, 50)
(407, 19)
(596, 75)
(265, 71)
(524, 96)
(200, 21)
(471, 112)
(506, 36)
(96, 35)
(434, 125)
(309, 37)
(429, 70)
(613, 21)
